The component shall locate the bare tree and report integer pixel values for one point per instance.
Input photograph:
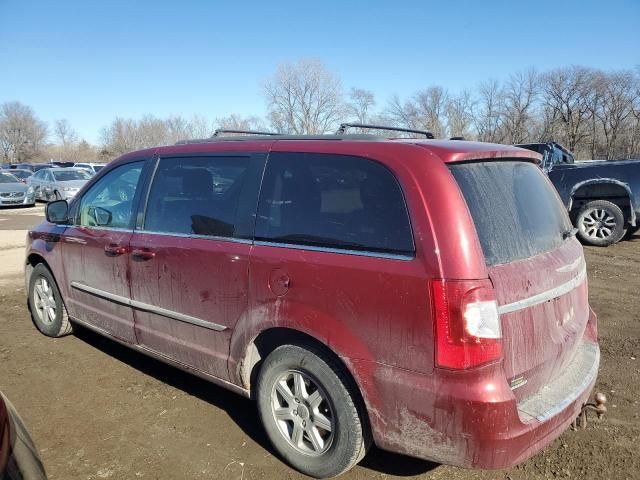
(178, 128)
(423, 111)
(487, 115)
(568, 92)
(238, 122)
(520, 93)
(200, 127)
(121, 136)
(460, 115)
(22, 134)
(618, 97)
(304, 98)
(360, 105)
(64, 133)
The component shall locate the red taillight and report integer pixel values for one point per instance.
(468, 330)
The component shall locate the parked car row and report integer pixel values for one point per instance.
(44, 182)
(427, 296)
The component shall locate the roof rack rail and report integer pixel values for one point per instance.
(457, 138)
(344, 126)
(244, 132)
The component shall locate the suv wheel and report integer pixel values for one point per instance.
(600, 223)
(45, 302)
(310, 413)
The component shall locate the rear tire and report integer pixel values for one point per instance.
(48, 312)
(310, 411)
(600, 223)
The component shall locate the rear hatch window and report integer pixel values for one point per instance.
(516, 210)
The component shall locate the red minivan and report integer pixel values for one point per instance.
(427, 296)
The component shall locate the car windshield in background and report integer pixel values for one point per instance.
(68, 175)
(516, 211)
(8, 178)
(97, 168)
(21, 174)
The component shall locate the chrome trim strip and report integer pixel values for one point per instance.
(544, 296)
(101, 229)
(570, 266)
(359, 253)
(193, 235)
(101, 293)
(145, 307)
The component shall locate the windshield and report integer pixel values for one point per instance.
(97, 168)
(67, 175)
(516, 210)
(21, 174)
(7, 178)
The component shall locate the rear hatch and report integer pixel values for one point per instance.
(536, 266)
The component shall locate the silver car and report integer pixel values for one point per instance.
(57, 183)
(14, 193)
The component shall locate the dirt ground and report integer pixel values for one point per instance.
(97, 410)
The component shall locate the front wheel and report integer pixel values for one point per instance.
(45, 302)
(310, 411)
(600, 223)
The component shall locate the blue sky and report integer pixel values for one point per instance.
(89, 61)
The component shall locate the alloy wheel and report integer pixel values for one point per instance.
(44, 301)
(303, 413)
(598, 223)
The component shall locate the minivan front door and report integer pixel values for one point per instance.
(95, 251)
(190, 258)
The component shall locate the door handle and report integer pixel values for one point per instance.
(114, 250)
(142, 254)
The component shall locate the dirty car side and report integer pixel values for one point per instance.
(376, 313)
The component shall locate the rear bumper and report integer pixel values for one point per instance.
(474, 420)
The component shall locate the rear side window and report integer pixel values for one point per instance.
(333, 201)
(198, 195)
(516, 210)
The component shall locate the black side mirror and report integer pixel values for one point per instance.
(102, 216)
(57, 212)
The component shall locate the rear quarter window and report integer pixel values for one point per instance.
(516, 211)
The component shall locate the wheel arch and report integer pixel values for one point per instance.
(609, 189)
(34, 259)
(271, 338)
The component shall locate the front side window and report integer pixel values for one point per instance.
(196, 195)
(333, 201)
(109, 203)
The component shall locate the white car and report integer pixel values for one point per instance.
(92, 168)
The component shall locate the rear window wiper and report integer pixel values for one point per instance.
(569, 233)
